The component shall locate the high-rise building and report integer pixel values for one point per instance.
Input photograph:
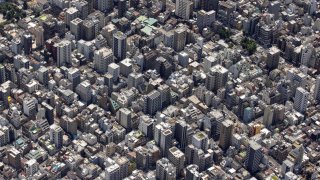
(225, 134)
(90, 29)
(216, 78)
(254, 156)
(142, 158)
(76, 28)
(166, 68)
(63, 52)
(74, 77)
(146, 126)
(39, 36)
(166, 141)
(183, 59)
(108, 80)
(165, 170)
(248, 114)
(180, 39)
(71, 14)
(163, 137)
(122, 6)
(30, 106)
(164, 90)
(84, 90)
(56, 135)
(2, 74)
(307, 52)
(192, 172)
(27, 43)
(4, 94)
(205, 18)
(316, 94)
(125, 67)
(4, 135)
(177, 158)
(83, 8)
(200, 140)
(184, 9)
(181, 133)
(168, 39)
(49, 112)
(20, 61)
(119, 45)
(114, 70)
(105, 5)
(147, 156)
(209, 5)
(301, 100)
(43, 75)
(153, 102)
(108, 32)
(113, 172)
(14, 158)
(274, 8)
(16, 45)
(124, 117)
(102, 58)
(69, 125)
(123, 163)
(269, 113)
(31, 167)
(273, 56)
(135, 79)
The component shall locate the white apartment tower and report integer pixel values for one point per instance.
(301, 100)
(316, 94)
(102, 58)
(184, 8)
(56, 135)
(63, 52)
(205, 18)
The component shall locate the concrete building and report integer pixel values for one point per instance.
(205, 18)
(56, 134)
(31, 167)
(76, 28)
(71, 14)
(119, 46)
(165, 170)
(177, 158)
(216, 78)
(180, 39)
(63, 52)
(273, 57)
(114, 70)
(113, 172)
(184, 9)
(153, 102)
(200, 140)
(30, 106)
(316, 94)
(225, 134)
(102, 58)
(254, 156)
(301, 100)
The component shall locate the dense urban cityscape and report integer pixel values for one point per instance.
(160, 89)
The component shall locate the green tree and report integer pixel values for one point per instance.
(224, 33)
(249, 45)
